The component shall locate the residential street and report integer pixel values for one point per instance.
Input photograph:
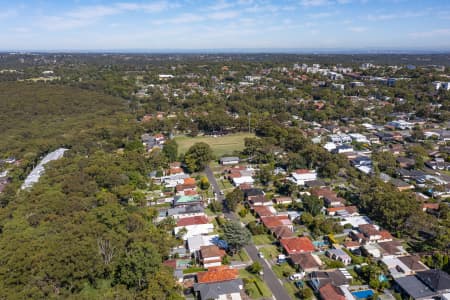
(269, 276)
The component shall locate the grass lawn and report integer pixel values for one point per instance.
(255, 287)
(292, 290)
(262, 239)
(241, 256)
(225, 184)
(269, 251)
(220, 145)
(248, 217)
(282, 270)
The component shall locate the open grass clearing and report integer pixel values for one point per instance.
(220, 145)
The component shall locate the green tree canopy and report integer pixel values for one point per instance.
(198, 156)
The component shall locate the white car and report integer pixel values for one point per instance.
(296, 276)
(260, 254)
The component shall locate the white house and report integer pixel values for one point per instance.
(300, 176)
(237, 181)
(198, 225)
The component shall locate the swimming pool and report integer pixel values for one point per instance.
(363, 294)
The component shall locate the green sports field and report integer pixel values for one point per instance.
(220, 145)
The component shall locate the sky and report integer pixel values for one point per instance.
(234, 24)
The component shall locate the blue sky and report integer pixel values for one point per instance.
(195, 24)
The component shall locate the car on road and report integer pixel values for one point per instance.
(260, 254)
(221, 193)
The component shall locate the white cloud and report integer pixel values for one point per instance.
(314, 2)
(391, 16)
(357, 29)
(86, 15)
(181, 19)
(220, 5)
(224, 15)
(321, 15)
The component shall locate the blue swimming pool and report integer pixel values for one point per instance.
(363, 294)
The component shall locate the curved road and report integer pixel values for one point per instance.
(269, 276)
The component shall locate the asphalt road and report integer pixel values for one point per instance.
(278, 291)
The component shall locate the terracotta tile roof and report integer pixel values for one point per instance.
(197, 220)
(330, 292)
(303, 171)
(386, 235)
(182, 187)
(217, 274)
(190, 193)
(211, 251)
(433, 206)
(175, 170)
(276, 221)
(351, 244)
(245, 186)
(171, 263)
(324, 193)
(297, 245)
(189, 181)
(262, 211)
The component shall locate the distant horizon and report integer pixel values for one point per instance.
(310, 51)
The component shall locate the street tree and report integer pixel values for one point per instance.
(236, 236)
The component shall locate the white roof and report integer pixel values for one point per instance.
(37, 172)
(355, 221)
(243, 179)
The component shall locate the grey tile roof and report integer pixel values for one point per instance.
(214, 290)
(414, 287)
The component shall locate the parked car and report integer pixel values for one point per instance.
(260, 254)
(297, 276)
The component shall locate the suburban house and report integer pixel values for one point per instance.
(263, 211)
(239, 175)
(211, 256)
(339, 277)
(195, 242)
(343, 211)
(226, 290)
(331, 292)
(330, 198)
(183, 200)
(297, 245)
(306, 261)
(180, 212)
(425, 285)
(217, 274)
(339, 255)
(229, 160)
(300, 176)
(272, 222)
(197, 225)
(371, 234)
(282, 200)
(403, 265)
(282, 232)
